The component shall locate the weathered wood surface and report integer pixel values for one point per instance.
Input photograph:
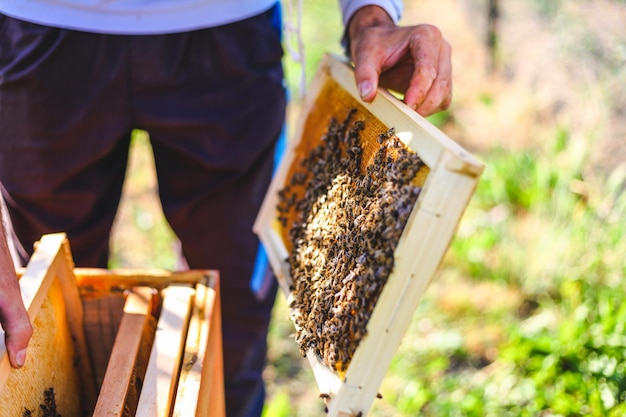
(201, 386)
(95, 282)
(127, 365)
(102, 320)
(159, 388)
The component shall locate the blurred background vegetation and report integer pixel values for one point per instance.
(525, 317)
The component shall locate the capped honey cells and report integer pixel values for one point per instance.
(344, 217)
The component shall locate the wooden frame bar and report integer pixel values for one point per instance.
(201, 388)
(159, 388)
(127, 365)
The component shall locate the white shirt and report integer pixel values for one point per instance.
(155, 16)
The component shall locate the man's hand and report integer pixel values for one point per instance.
(16, 325)
(13, 316)
(414, 60)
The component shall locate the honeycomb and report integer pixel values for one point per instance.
(344, 208)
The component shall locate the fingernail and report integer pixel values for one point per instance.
(365, 88)
(20, 357)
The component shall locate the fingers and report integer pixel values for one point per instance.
(17, 327)
(368, 30)
(15, 321)
(439, 95)
(366, 76)
(414, 60)
(13, 315)
(430, 87)
(17, 336)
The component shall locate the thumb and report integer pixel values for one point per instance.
(16, 339)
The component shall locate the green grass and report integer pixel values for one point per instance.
(564, 254)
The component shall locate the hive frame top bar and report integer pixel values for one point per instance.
(450, 183)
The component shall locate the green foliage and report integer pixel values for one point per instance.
(535, 224)
(440, 119)
(571, 356)
(279, 406)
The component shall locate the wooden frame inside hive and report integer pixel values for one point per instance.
(447, 182)
(133, 365)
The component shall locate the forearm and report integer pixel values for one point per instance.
(9, 287)
(7, 269)
(13, 316)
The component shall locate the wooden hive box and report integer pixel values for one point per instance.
(445, 180)
(115, 343)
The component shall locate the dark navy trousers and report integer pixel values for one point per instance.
(213, 103)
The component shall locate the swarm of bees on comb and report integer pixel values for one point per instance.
(349, 216)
